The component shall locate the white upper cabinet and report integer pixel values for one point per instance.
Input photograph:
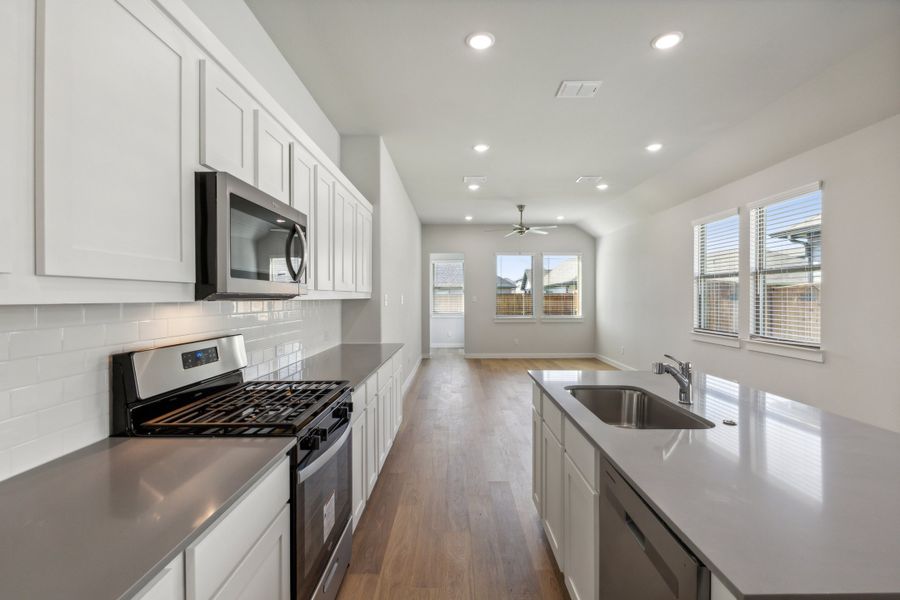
(322, 234)
(116, 122)
(226, 123)
(363, 250)
(303, 179)
(344, 240)
(272, 157)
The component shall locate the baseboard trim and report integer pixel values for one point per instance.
(448, 345)
(619, 365)
(530, 355)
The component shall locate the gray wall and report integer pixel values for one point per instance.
(483, 334)
(393, 314)
(236, 26)
(644, 281)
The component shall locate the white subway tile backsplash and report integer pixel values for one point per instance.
(90, 336)
(54, 360)
(60, 315)
(34, 342)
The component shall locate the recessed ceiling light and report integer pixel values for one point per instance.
(481, 147)
(603, 186)
(468, 217)
(480, 41)
(666, 41)
(560, 218)
(654, 147)
(474, 186)
(589, 179)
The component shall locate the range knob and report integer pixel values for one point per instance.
(341, 412)
(321, 433)
(310, 442)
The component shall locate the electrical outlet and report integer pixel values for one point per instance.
(622, 350)
(474, 298)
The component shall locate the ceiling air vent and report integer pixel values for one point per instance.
(578, 89)
(479, 179)
(589, 179)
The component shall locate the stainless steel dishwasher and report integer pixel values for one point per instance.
(639, 556)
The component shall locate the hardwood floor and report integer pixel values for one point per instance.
(451, 515)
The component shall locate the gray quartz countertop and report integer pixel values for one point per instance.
(100, 522)
(791, 502)
(349, 362)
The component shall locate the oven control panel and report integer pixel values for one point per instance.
(198, 358)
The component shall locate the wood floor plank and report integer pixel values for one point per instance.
(451, 516)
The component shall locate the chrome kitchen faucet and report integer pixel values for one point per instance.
(683, 374)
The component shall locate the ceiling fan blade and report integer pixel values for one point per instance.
(533, 230)
(546, 227)
(510, 233)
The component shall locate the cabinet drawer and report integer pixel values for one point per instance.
(212, 559)
(582, 452)
(536, 398)
(552, 416)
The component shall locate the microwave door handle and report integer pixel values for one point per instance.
(288, 246)
(304, 253)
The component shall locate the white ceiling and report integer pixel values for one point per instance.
(400, 69)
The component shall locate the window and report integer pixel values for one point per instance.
(562, 285)
(716, 266)
(447, 287)
(786, 268)
(514, 297)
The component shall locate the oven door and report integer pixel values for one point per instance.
(322, 508)
(249, 244)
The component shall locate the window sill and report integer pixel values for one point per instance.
(810, 354)
(446, 316)
(556, 319)
(719, 340)
(515, 320)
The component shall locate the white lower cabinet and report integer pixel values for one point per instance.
(372, 427)
(246, 552)
(553, 515)
(168, 584)
(536, 444)
(358, 460)
(386, 425)
(581, 534)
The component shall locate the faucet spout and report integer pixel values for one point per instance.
(683, 375)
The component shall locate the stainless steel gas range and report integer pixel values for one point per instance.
(197, 389)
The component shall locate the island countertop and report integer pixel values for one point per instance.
(101, 521)
(792, 502)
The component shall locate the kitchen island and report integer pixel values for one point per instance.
(789, 502)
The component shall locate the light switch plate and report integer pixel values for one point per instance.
(385, 299)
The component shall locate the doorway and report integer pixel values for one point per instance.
(447, 301)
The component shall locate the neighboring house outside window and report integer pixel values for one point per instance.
(786, 268)
(562, 285)
(514, 296)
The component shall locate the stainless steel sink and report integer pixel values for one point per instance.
(634, 408)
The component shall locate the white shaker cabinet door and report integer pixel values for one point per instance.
(264, 573)
(271, 152)
(344, 238)
(16, 46)
(581, 536)
(360, 479)
(363, 250)
(116, 147)
(303, 178)
(226, 123)
(553, 514)
(168, 584)
(322, 234)
(372, 436)
(536, 460)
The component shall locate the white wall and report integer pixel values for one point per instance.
(393, 314)
(644, 281)
(236, 26)
(448, 331)
(483, 334)
(54, 360)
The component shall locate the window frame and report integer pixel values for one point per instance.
(576, 317)
(766, 344)
(515, 318)
(726, 338)
(462, 288)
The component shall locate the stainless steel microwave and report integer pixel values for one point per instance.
(249, 244)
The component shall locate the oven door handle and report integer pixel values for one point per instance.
(313, 467)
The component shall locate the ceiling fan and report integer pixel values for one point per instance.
(521, 228)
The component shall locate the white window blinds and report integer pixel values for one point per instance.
(786, 268)
(716, 266)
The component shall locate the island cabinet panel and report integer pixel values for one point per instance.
(116, 143)
(553, 515)
(226, 123)
(168, 584)
(536, 481)
(271, 153)
(323, 231)
(581, 535)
